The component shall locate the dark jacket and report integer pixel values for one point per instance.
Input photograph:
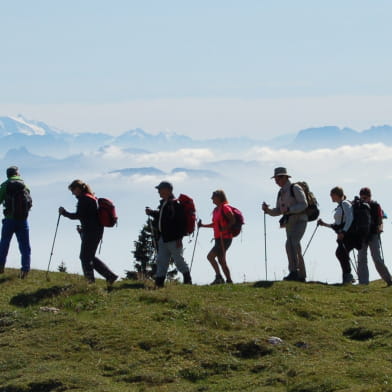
(376, 217)
(173, 221)
(87, 213)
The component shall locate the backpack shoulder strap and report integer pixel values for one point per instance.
(292, 190)
(91, 196)
(341, 207)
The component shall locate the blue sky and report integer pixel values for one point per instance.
(199, 68)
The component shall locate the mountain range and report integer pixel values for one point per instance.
(42, 139)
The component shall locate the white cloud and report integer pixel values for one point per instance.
(171, 159)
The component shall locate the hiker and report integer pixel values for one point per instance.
(15, 196)
(170, 221)
(291, 203)
(373, 242)
(343, 217)
(91, 232)
(222, 220)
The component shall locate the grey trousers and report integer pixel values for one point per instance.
(374, 245)
(166, 251)
(295, 230)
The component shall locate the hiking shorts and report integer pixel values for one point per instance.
(217, 248)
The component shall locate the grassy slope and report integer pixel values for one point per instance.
(192, 338)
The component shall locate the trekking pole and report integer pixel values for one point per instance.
(154, 243)
(355, 263)
(307, 246)
(51, 252)
(265, 247)
(382, 251)
(194, 248)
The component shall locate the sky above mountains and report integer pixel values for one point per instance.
(253, 68)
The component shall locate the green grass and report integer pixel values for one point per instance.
(192, 338)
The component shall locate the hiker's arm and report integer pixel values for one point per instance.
(300, 198)
(3, 188)
(271, 211)
(70, 215)
(81, 210)
(153, 213)
(200, 224)
(320, 222)
(379, 222)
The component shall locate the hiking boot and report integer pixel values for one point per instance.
(300, 279)
(218, 280)
(293, 275)
(1, 269)
(187, 278)
(348, 279)
(160, 281)
(23, 274)
(229, 281)
(110, 281)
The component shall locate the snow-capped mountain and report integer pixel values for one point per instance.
(20, 125)
(42, 139)
(332, 137)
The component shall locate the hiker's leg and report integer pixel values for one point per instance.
(98, 265)
(87, 254)
(22, 235)
(343, 257)
(7, 232)
(295, 231)
(176, 251)
(163, 259)
(375, 251)
(363, 270)
(301, 263)
(222, 257)
(103, 269)
(211, 257)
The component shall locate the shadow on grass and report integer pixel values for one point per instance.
(26, 299)
(359, 333)
(44, 386)
(4, 279)
(266, 284)
(129, 286)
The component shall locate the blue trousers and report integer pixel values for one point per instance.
(21, 229)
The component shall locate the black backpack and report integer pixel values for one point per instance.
(17, 200)
(362, 220)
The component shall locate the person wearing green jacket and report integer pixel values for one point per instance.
(16, 199)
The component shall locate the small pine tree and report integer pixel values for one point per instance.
(144, 253)
(62, 267)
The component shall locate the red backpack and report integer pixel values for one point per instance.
(106, 211)
(239, 221)
(190, 212)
